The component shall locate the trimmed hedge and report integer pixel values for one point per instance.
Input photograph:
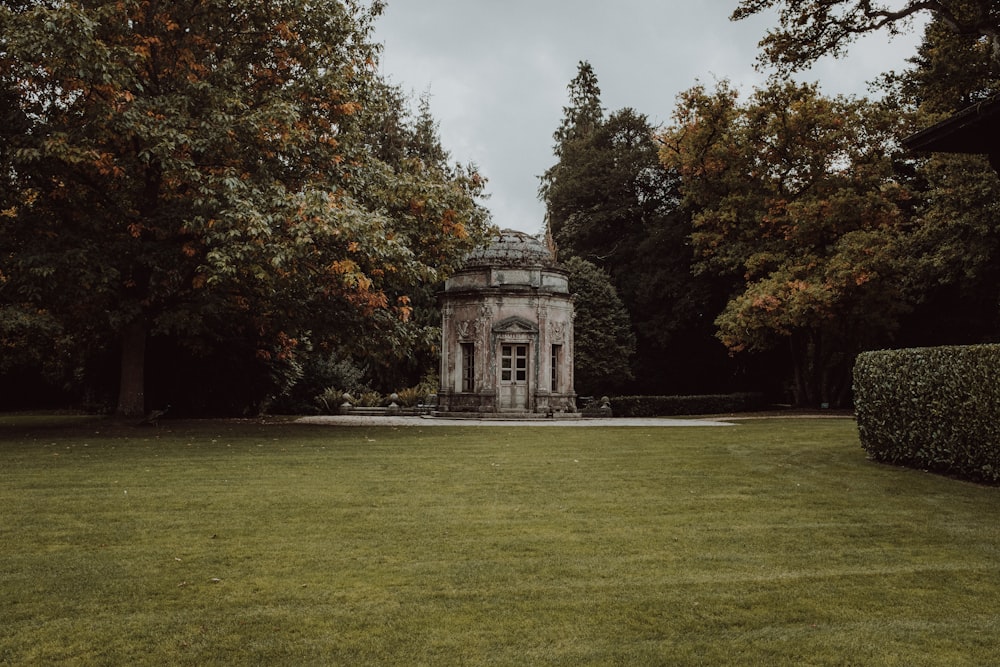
(935, 409)
(668, 406)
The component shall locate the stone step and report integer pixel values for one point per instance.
(381, 412)
(507, 416)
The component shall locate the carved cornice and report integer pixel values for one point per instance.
(515, 325)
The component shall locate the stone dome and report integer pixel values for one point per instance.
(511, 248)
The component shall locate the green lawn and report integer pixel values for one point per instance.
(773, 542)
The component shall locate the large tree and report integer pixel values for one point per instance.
(811, 29)
(795, 195)
(949, 71)
(956, 198)
(608, 190)
(611, 202)
(206, 170)
(952, 238)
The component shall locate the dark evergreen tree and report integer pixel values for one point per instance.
(956, 198)
(585, 112)
(949, 72)
(603, 341)
(610, 201)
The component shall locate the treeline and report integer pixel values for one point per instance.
(222, 208)
(228, 210)
(760, 241)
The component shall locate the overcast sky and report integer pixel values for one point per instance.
(497, 71)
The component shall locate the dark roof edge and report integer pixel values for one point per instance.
(927, 139)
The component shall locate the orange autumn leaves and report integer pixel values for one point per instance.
(793, 194)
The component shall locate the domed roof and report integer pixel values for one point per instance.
(511, 248)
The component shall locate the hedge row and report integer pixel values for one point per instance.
(668, 406)
(934, 409)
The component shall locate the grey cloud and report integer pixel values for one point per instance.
(497, 72)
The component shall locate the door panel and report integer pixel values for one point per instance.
(513, 377)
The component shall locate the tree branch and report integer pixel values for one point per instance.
(810, 29)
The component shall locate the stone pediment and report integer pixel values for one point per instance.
(515, 325)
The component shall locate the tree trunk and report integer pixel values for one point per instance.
(131, 389)
(807, 387)
(800, 370)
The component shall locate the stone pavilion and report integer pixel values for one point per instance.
(507, 333)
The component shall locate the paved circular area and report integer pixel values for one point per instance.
(351, 420)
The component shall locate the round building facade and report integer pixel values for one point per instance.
(507, 332)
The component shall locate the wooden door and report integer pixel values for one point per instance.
(514, 377)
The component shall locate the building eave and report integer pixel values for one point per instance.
(975, 130)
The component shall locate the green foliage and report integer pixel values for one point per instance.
(808, 30)
(953, 199)
(608, 191)
(208, 172)
(611, 202)
(796, 197)
(960, 203)
(320, 371)
(329, 400)
(584, 113)
(412, 396)
(31, 330)
(949, 72)
(667, 406)
(369, 399)
(932, 409)
(340, 375)
(951, 241)
(955, 248)
(603, 343)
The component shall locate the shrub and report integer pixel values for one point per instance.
(667, 406)
(329, 401)
(369, 399)
(416, 395)
(410, 396)
(935, 409)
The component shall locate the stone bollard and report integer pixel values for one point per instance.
(605, 408)
(393, 407)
